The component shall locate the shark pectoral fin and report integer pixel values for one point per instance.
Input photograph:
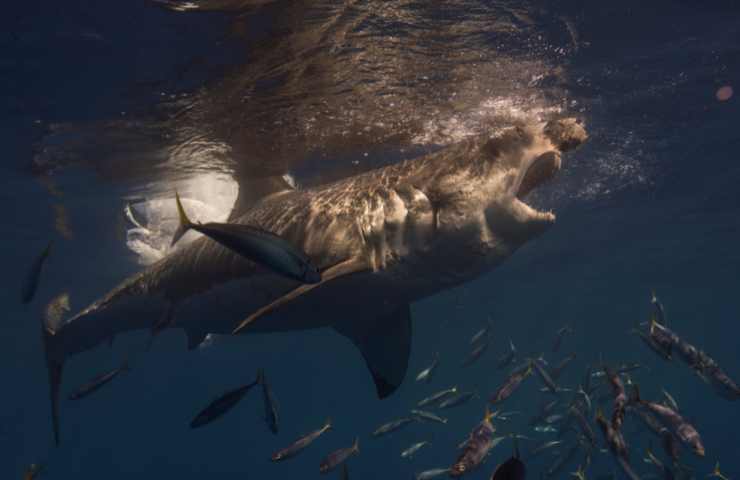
(385, 344)
(166, 320)
(353, 265)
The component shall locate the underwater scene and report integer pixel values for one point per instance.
(370, 239)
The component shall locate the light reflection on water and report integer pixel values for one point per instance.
(340, 85)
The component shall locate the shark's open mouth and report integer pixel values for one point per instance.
(542, 169)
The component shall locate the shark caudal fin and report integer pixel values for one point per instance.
(185, 223)
(50, 324)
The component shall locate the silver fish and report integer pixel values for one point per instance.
(437, 397)
(424, 415)
(299, 445)
(99, 381)
(671, 401)
(457, 400)
(545, 446)
(426, 374)
(337, 457)
(483, 332)
(411, 451)
(545, 377)
(392, 426)
(433, 473)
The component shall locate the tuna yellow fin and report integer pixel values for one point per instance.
(653, 322)
(185, 223)
(488, 415)
(717, 473)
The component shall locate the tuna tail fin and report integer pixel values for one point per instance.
(260, 377)
(185, 223)
(356, 445)
(635, 394)
(329, 424)
(488, 415)
(716, 472)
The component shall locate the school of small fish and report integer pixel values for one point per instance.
(566, 412)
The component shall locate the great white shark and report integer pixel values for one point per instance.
(382, 240)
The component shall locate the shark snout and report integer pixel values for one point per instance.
(565, 133)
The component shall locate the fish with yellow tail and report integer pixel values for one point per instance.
(682, 428)
(476, 448)
(716, 473)
(260, 246)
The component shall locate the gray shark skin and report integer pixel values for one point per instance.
(382, 239)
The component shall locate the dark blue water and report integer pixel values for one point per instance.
(651, 202)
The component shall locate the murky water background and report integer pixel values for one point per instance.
(104, 106)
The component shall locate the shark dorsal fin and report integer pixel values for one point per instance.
(254, 189)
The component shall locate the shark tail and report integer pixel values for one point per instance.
(51, 322)
(185, 223)
(55, 369)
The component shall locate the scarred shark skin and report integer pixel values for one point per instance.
(382, 239)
